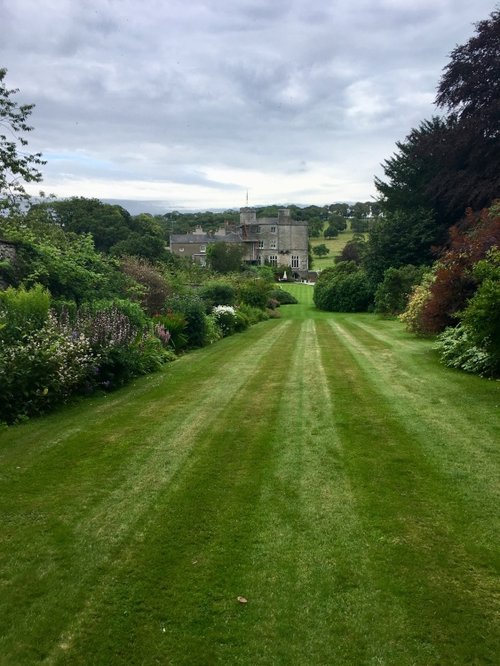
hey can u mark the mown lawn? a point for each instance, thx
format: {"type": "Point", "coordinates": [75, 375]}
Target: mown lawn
{"type": "Point", "coordinates": [324, 467]}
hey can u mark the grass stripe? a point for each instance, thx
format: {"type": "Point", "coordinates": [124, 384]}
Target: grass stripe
{"type": "Point", "coordinates": [419, 531]}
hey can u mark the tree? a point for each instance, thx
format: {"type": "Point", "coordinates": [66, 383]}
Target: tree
{"type": "Point", "coordinates": [449, 164]}
{"type": "Point", "coordinates": [391, 296]}
{"type": "Point", "coordinates": [353, 250]}
{"type": "Point", "coordinates": [398, 239]}
{"type": "Point", "coordinates": [470, 85]}
{"type": "Point", "coordinates": [108, 224]}
{"type": "Point", "coordinates": [225, 257]}
{"type": "Point", "coordinates": [321, 250]}
{"type": "Point", "coordinates": [331, 232]}
{"type": "Point", "coordinates": [16, 166]}
{"type": "Point", "coordinates": [343, 288]}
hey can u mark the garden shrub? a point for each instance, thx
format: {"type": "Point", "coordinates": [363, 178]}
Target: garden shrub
{"type": "Point", "coordinates": [192, 308]}
{"type": "Point", "coordinates": [255, 293]}
{"type": "Point", "coordinates": [457, 349]}
{"type": "Point", "coordinates": [218, 293]}
{"type": "Point", "coordinates": [343, 288]}
{"type": "Point", "coordinates": [212, 330]}
{"type": "Point", "coordinates": [43, 369]}
{"type": "Point", "coordinates": [154, 288]}
{"type": "Point", "coordinates": [23, 311]}
{"type": "Point", "coordinates": [391, 296]}
{"type": "Point", "coordinates": [283, 297]}
{"type": "Point", "coordinates": [175, 324]}
{"type": "Point", "coordinates": [254, 315]}
{"type": "Point", "coordinates": [242, 322]}
{"type": "Point", "coordinates": [455, 282]}
{"type": "Point", "coordinates": [482, 313]}
{"type": "Point", "coordinates": [420, 295]}
{"type": "Point", "coordinates": [121, 363]}
{"type": "Point", "coordinates": [225, 318]}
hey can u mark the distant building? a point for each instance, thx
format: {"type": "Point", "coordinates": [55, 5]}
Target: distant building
{"type": "Point", "coordinates": [276, 241]}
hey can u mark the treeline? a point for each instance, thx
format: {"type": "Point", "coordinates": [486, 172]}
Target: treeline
{"type": "Point", "coordinates": [318, 218]}
{"type": "Point", "coordinates": [433, 256]}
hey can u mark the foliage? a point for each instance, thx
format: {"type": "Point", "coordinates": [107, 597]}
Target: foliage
{"type": "Point", "coordinates": [353, 250]}
{"type": "Point", "coordinates": [457, 349]}
{"type": "Point", "coordinates": [175, 324]}
{"type": "Point", "coordinates": [343, 288]}
{"type": "Point", "coordinates": [154, 287]}
{"type": "Point", "coordinates": [469, 86]}
{"type": "Point", "coordinates": [225, 318]}
{"type": "Point", "coordinates": [218, 293]}
{"type": "Point", "coordinates": [399, 239]}
{"type": "Point", "coordinates": [213, 332]}
{"type": "Point", "coordinates": [419, 297]}
{"type": "Point", "coordinates": [42, 369]}
{"type": "Point", "coordinates": [321, 250]}
{"type": "Point", "coordinates": [482, 313]}
{"type": "Point", "coordinates": [283, 297]}
{"type": "Point", "coordinates": [448, 164]}
{"type": "Point", "coordinates": [16, 165]}
{"type": "Point", "coordinates": [192, 309]}
{"type": "Point", "coordinates": [67, 264]}
{"type": "Point", "coordinates": [455, 281]}
{"type": "Point", "coordinates": [331, 231]}
{"type": "Point", "coordinates": [391, 295]}
{"type": "Point", "coordinates": [359, 226]}
{"type": "Point", "coordinates": [22, 312]}
{"type": "Point", "coordinates": [254, 292]}
{"type": "Point", "coordinates": [253, 315]}
{"type": "Point", "coordinates": [225, 257]}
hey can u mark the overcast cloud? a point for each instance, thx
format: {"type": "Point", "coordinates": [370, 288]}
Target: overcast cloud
{"type": "Point", "coordinates": [191, 103]}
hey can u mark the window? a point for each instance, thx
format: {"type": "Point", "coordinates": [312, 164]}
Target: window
{"type": "Point", "coordinates": [273, 259]}
{"type": "Point", "coordinates": [273, 230]}
{"type": "Point", "coordinates": [203, 249]}
{"type": "Point", "coordinates": [274, 245]}
{"type": "Point", "coordinates": [261, 245]}
{"type": "Point", "coordinates": [295, 261]}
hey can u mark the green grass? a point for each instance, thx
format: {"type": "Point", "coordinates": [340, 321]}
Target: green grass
{"type": "Point", "coordinates": [325, 467]}
{"type": "Point", "coordinates": [335, 245]}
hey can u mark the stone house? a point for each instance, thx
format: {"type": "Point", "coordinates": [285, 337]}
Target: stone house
{"type": "Point", "coordinates": [276, 241]}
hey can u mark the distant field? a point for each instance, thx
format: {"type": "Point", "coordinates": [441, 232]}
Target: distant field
{"type": "Point", "coordinates": [326, 469]}
{"type": "Point", "coordinates": [335, 245]}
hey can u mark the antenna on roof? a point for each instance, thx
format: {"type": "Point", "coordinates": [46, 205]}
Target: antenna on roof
{"type": "Point", "coordinates": [247, 198]}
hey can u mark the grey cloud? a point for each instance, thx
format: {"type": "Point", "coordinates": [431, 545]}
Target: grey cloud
{"type": "Point", "coordinates": [168, 90]}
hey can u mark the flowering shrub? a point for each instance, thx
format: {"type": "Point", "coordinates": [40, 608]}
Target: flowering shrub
{"type": "Point", "coordinates": [123, 350]}
{"type": "Point", "coordinates": [218, 293]}
{"type": "Point", "coordinates": [457, 350]}
{"type": "Point", "coordinates": [175, 324]}
{"type": "Point", "coordinates": [42, 369]}
{"type": "Point", "coordinates": [162, 334]}
{"type": "Point", "coordinates": [225, 318]}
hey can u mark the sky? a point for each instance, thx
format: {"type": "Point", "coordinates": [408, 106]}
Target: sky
{"type": "Point", "coordinates": [187, 104]}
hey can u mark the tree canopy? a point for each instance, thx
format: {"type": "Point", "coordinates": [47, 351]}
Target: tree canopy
{"type": "Point", "coordinates": [16, 165]}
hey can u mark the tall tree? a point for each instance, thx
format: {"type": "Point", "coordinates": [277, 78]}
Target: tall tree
{"type": "Point", "coordinates": [470, 85]}
{"type": "Point", "coordinates": [16, 165]}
